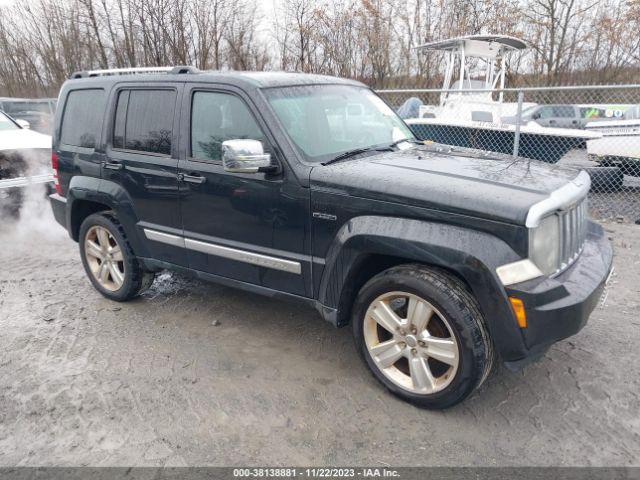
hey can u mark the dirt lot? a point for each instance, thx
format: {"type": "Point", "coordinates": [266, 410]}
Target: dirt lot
{"type": "Point", "coordinates": [196, 374]}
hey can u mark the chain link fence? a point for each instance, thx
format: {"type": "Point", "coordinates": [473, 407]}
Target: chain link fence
{"type": "Point", "coordinates": [595, 128]}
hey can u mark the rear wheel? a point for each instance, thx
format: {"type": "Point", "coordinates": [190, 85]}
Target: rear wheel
{"type": "Point", "coordinates": [109, 260]}
{"type": "Point", "coordinates": [421, 334]}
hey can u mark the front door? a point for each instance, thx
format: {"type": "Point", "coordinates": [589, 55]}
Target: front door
{"type": "Point", "coordinates": [247, 227]}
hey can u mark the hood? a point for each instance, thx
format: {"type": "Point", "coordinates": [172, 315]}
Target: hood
{"type": "Point", "coordinates": [23, 139]}
{"type": "Point", "coordinates": [467, 183]}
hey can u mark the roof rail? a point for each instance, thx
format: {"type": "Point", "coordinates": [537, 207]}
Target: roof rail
{"type": "Point", "coordinates": [182, 69]}
{"type": "Point", "coordinates": [135, 70]}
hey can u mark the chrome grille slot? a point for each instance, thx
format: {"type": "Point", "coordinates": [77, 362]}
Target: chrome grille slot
{"type": "Point", "coordinates": [573, 232]}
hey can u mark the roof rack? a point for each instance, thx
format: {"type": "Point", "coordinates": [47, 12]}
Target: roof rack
{"type": "Point", "coordinates": [184, 69]}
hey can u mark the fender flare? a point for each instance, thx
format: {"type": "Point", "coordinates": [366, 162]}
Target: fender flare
{"type": "Point", "coordinates": [96, 190]}
{"type": "Point", "coordinates": [470, 254]}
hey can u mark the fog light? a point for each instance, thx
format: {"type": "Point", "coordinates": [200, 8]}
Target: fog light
{"type": "Point", "coordinates": [518, 310]}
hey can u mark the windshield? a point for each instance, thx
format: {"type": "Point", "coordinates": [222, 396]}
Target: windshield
{"type": "Point", "coordinates": [19, 107]}
{"type": "Point", "coordinates": [6, 123]}
{"type": "Point", "coordinates": [327, 120]}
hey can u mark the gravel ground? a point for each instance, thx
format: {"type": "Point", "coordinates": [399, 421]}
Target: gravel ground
{"type": "Point", "coordinates": [197, 374]}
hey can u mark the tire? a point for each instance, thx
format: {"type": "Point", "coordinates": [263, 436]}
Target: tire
{"type": "Point", "coordinates": [455, 328]}
{"type": "Point", "coordinates": [606, 179]}
{"type": "Point", "coordinates": [124, 278]}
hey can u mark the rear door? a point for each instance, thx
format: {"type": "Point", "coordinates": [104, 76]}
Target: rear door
{"type": "Point", "coordinates": [141, 157]}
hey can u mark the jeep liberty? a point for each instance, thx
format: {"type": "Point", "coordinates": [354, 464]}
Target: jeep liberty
{"type": "Point", "coordinates": [311, 188]}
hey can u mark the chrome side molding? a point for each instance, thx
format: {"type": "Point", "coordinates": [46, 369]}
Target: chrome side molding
{"type": "Point", "coordinates": [236, 254]}
{"type": "Point", "coordinates": [162, 237]}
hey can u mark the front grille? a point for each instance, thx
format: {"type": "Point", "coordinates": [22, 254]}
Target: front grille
{"type": "Point", "coordinates": [573, 232]}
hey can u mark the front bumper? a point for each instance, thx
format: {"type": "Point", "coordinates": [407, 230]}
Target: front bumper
{"type": "Point", "coordinates": [559, 307]}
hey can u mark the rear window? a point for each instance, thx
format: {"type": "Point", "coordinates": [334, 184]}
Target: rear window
{"type": "Point", "coordinates": [82, 120]}
{"type": "Point", "coordinates": [144, 121]}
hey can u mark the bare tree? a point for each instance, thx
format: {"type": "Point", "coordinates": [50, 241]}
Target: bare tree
{"type": "Point", "coordinates": [43, 41]}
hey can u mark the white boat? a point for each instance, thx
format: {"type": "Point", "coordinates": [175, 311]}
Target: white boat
{"type": "Point", "coordinates": [468, 114]}
{"type": "Point", "coordinates": [620, 142]}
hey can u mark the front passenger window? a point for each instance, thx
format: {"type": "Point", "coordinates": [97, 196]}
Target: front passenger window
{"type": "Point", "coordinates": [216, 117]}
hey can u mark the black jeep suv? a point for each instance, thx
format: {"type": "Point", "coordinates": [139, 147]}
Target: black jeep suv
{"type": "Point", "coordinates": [310, 188]}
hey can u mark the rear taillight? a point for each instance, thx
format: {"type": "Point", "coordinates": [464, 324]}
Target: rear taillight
{"type": "Point", "coordinates": [56, 175]}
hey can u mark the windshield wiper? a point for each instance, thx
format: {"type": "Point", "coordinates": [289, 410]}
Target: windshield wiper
{"type": "Point", "coordinates": [358, 151]}
{"type": "Point", "coordinates": [355, 151]}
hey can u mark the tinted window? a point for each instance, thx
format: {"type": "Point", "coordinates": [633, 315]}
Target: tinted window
{"type": "Point", "coordinates": [216, 117]}
{"type": "Point", "coordinates": [82, 119]}
{"type": "Point", "coordinates": [146, 119]}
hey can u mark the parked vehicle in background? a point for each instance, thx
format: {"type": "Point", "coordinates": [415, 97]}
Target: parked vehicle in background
{"type": "Point", "coordinates": [24, 161]}
{"type": "Point", "coordinates": [37, 111]}
{"type": "Point", "coordinates": [565, 116]}
{"type": "Point", "coordinates": [310, 188]}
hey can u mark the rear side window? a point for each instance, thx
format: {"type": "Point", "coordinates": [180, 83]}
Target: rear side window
{"type": "Point", "coordinates": [144, 121]}
{"type": "Point", "coordinates": [82, 120]}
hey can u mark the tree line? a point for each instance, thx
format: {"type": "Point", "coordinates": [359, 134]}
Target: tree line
{"type": "Point", "coordinates": [572, 41]}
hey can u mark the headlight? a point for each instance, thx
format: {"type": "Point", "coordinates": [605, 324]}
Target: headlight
{"type": "Point", "coordinates": [544, 244]}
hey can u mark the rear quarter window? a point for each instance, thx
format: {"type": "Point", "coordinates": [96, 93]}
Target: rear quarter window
{"type": "Point", "coordinates": [82, 117]}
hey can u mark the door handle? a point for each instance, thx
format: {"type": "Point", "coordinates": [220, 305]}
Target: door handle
{"type": "Point", "coordinates": [111, 165]}
{"type": "Point", "coordinates": [192, 178]}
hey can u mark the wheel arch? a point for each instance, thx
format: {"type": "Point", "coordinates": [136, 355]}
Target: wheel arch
{"type": "Point", "coordinates": [88, 195]}
{"type": "Point", "coordinates": [366, 246]}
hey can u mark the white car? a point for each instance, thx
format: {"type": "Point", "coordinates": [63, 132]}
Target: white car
{"type": "Point", "coordinates": [25, 158]}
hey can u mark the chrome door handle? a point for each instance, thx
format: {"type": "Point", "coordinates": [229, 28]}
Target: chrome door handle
{"type": "Point", "coordinates": [192, 178]}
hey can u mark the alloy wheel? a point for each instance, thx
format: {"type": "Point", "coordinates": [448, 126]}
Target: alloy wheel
{"type": "Point", "coordinates": [104, 257]}
{"type": "Point", "coordinates": [411, 342]}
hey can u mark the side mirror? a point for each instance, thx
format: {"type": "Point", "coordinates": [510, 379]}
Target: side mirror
{"type": "Point", "coordinates": [244, 156]}
{"type": "Point", "coordinates": [536, 116]}
{"type": "Point", "coordinates": [23, 123]}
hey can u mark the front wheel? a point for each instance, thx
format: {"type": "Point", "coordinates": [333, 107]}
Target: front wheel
{"type": "Point", "coordinates": [109, 260]}
{"type": "Point", "coordinates": [422, 335]}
